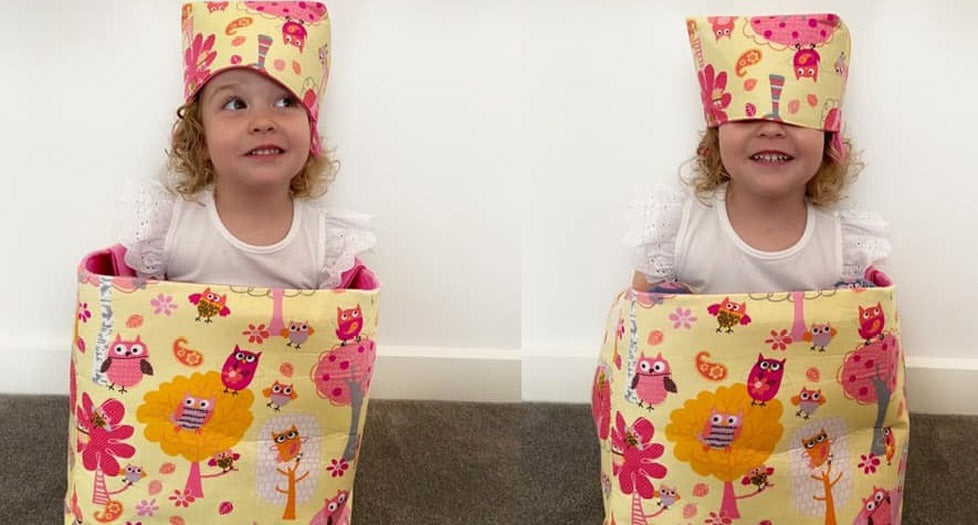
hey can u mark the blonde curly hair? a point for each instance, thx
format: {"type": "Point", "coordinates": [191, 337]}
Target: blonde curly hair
{"type": "Point", "coordinates": [192, 171]}
{"type": "Point", "coordinates": [824, 189]}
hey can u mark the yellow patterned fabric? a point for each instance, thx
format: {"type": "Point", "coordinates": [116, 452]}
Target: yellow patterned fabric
{"type": "Point", "coordinates": [287, 41]}
{"type": "Point", "coordinates": [790, 68]}
{"type": "Point", "coordinates": [760, 408]}
{"type": "Point", "coordinates": [195, 403]}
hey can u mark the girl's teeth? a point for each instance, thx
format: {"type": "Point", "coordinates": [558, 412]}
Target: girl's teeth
{"type": "Point", "coordinates": [770, 157]}
{"type": "Point", "coordinates": [265, 151]}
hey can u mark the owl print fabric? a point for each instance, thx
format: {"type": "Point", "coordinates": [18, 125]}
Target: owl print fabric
{"type": "Point", "coordinates": [195, 403]}
{"type": "Point", "coordinates": [761, 408]}
{"type": "Point", "coordinates": [790, 68]}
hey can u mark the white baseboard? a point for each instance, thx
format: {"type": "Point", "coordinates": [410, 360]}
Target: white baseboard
{"type": "Point", "coordinates": [935, 385]}
{"type": "Point", "coordinates": [401, 372]}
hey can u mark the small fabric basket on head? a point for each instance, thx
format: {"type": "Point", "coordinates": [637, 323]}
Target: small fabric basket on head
{"type": "Point", "coordinates": [287, 41]}
{"type": "Point", "coordinates": [786, 68]}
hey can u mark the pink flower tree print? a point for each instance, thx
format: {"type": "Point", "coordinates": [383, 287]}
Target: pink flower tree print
{"type": "Point", "coordinates": [634, 463]}
{"type": "Point", "coordinates": [601, 400]}
{"type": "Point", "coordinates": [197, 58]}
{"type": "Point", "coordinates": [342, 375]}
{"type": "Point", "coordinates": [868, 375]}
{"type": "Point", "coordinates": [712, 92]}
{"type": "Point", "coordinates": [102, 440]}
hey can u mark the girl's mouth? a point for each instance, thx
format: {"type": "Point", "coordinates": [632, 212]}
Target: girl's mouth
{"type": "Point", "coordinates": [771, 157]}
{"type": "Point", "coordinates": [265, 151]}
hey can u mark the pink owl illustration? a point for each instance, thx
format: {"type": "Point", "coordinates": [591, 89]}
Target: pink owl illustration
{"type": "Point", "coordinates": [820, 335]}
{"type": "Point", "coordinates": [801, 32]}
{"type": "Point", "coordinates": [723, 26]}
{"type": "Point", "coordinates": [877, 509]}
{"type": "Point", "coordinates": [764, 380]}
{"type": "Point", "coordinates": [871, 322]}
{"type": "Point", "coordinates": [192, 413]}
{"type": "Point", "coordinates": [296, 15]}
{"type": "Point", "coordinates": [209, 304]}
{"type": "Point", "coordinates": [334, 511]}
{"type": "Point", "coordinates": [239, 370]}
{"type": "Point", "coordinates": [653, 380]}
{"type": "Point", "coordinates": [225, 460]}
{"type": "Point", "coordinates": [297, 333]}
{"type": "Point", "coordinates": [126, 363]}
{"type": "Point", "coordinates": [349, 323]}
{"type": "Point", "coordinates": [729, 314]}
{"type": "Point", "coordinates": [720, 430]}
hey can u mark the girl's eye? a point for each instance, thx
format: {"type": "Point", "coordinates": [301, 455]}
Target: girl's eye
{"type": "Point", "coordinates": [286, 102]}
{"type": "Point", "coordinates": [234, 103]}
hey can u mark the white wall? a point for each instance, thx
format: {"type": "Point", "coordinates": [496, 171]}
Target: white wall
{"type": "Point", "coordinates": [496, 144]}
{"type": "Point", "coordinates": [613, 102]}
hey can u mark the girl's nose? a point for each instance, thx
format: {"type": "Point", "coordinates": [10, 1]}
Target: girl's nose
{"type": "Point", "coordinates": [262, 122]}
{"type": "Point", "coordinates": [770, 128]}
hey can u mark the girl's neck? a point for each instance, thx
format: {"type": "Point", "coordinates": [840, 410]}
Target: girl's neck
{"type": "Point", "coordinates": [254, 217]}
{"type": "Point", "coordinates": [767, 224]}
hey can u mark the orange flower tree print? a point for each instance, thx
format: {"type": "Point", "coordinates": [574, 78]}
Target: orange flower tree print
{"type": "Point", "coordinates": [222, 428]}
{"type": "Point", "coordinates": [758, 430]}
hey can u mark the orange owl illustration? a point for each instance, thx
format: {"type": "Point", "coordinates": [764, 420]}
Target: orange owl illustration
{"type": "Point", "coordinates": [297, 333]}
{"type": "Point", "coordinates": [818, 448]}
{"type": "Point", "coordinates": [349, 323]}
{"type": "Point", "coordinates": [820, 335]}
{"type": "Point", "coordinates": [808, 402]}
{"type": "Point", "coordinates": [209, 304]}
{"type": "Point", "coordinates": [871, 322]}
{"type": "Point", "coordinates": [288, 444]}
{"type": "Point", "coordinates": [729, 314]}
{"type": "Point", "coordinates": [279, 395]}
{"type": "Point", "coordinates": [889, 444]}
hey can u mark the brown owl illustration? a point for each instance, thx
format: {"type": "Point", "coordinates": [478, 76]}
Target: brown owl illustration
{"type": "Point", "coordinates": [209, 304]}
{"type": "Point", "coordinates": [729, 314]}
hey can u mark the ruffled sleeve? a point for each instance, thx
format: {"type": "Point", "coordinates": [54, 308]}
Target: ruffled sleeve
{"type": "Point", "coordinates": [343, 235]}
{"type": "Point", "coordinates": [145, 209]}
{"type": "Point", "coordinates": [654, 217]}
{"type": "Point", "coordinates": [865, 242]}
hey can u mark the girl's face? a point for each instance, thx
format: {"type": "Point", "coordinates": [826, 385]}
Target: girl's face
{"type": "Point", "coordinates": [257, 133]}
{"type": "Point", "coordinates": [770, 160]}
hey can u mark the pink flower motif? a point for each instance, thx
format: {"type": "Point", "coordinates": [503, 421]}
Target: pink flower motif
{"type": "Point", "coordinates": [718, 520]}
{"type": "Point", "coordinates": [181, 499]}
{"type": "Point", "coordinates": [869, 463]}
{"type": "Point", "coordinates": [338, 467]}
{"type": "Point", "coordinates": [634, 444]}
{"type": "Point", "coordinates": [715, 101]}
{"type": "Point", "coordinates": [163, 304]}
{"type": "Point", "coordinates": [682, 317]}
{"type": "Point", "coordinates": [81, 344]}
{"type": "Point", "coordinates": [779, 340]}
{"type": "Point", "coordinates": [146, 508]}
{"type": "Point", "coordinates": [83, 314]}
{"type": "Point", "coordinates": [256, 334]}
{"type": "Point", "coordinates": [105, 435]}
{"type": "Point", "coordinates": [196, 59]}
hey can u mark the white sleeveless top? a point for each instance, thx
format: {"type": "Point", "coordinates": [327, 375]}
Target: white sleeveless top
{"type": "Point", "coordinates": [169, 237]}
{"type": "Point", "coordinates": [676, 237]}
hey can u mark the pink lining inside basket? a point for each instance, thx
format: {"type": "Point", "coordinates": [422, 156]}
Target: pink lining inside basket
{"type": "Point", "coordinates": [111, 261]}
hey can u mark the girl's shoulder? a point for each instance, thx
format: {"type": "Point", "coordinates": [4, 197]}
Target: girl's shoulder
{"type": "Point", "coordinates": [342, 235]}
{"type": "Point", "coordinates": [145, 212]}
{"type": "Point", "coordinates": [865, 241]}
{"type": "Point", "coordinates": [653, 220]}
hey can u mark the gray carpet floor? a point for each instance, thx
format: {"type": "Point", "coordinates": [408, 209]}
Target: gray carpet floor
{"type": "Point", "coordinates": [473, 463]}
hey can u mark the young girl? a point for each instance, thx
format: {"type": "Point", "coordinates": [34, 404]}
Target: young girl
{"type": "Point", "coordinates": [246, 158]}
{"type": "Point", "coordinates": [767, 170]}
